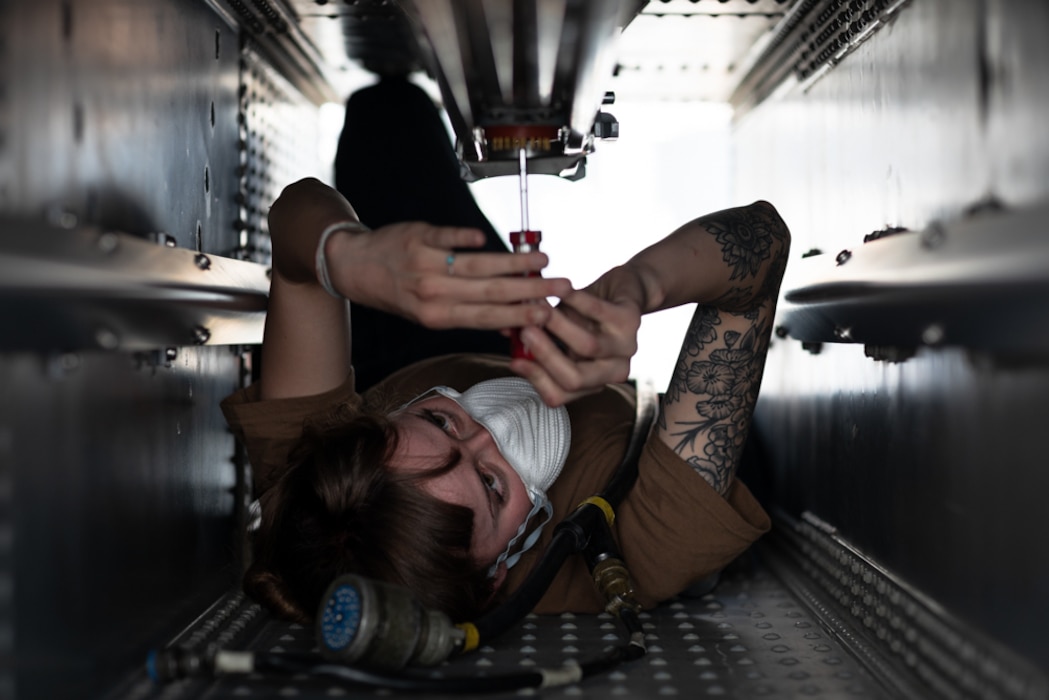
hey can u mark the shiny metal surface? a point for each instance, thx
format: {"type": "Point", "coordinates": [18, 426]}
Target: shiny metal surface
{"type": "Point", "coordinates": [672, 50]}
{"type": "Point", "coordinates": [115, 112]}
{"type": "Point", "coordinates": [811, 39]}
{"type": "Point", "coordinates": [904, 638]}
{"type": "Point", "coordinates": [120, 487]}
{"type": "Point", "coordinates": [1016, 98]}
{"type": "Point", "coordinates": [297, 43]}
{"type": "Point", "coordinates": [981, 282]}
{"type": "Point", "coordinates": [122, 508]}
{"type": "Point", "coordinates": [933, 467]}
{"type": "Point", "coordinates": [118, 495]}
{"type": "Point", "coordinates": [64, 290]}
{"type": "Point", "coordinates": [278, 144]}
{"type": "Point", "coordinates": [514, 63]}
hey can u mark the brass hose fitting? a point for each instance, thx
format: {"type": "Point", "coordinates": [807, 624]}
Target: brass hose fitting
{"type": "Point", "coordinates": [613, 580]}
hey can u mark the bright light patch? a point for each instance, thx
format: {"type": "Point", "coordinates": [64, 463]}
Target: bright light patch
{"type": "Point", "coordinates": [670, 165]}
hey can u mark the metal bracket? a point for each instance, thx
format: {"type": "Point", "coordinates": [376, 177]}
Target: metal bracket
{"type": "Point", "coordinates": [86, 288]}
{"type": "Point", "coordinates": [981, 282]}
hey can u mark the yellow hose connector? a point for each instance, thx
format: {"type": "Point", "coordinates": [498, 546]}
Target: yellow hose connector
{"type": "Point", "coordinates": [605, 506]}
{"type": "Point", "coordinates": [473, 637]}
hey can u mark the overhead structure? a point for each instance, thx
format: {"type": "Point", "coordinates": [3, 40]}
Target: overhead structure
{"type": "Point", "coordinates": [529, 75]}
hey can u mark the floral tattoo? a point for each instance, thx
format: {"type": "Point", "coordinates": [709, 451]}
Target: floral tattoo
{"type": "Point", "coordinates": [745, 242]}
{"type": "Point", "coordinates": [722, 358]}
{"type": "Point", "coordinates": [724, 387]}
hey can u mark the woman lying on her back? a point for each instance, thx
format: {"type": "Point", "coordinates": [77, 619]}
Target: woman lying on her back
{"type": "Point", "coordinates": [440, 477]}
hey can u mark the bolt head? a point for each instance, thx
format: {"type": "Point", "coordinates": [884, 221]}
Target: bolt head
{"type": "Point", "coordinates": [934, 236]}
{"type": "Point", "coordinates": [108, 242]}
{"type": "Point", "coordinates": [933, 334]}
{"type": "Point", "coordinates": [106, 339]}
{"type": "Point", "coordinates": [63, 218]}
{"type": "Point", "coordinates": [813, 348]}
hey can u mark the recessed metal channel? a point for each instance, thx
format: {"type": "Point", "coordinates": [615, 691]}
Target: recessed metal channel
{"type": "Point", "coordinates": [508, 63]}
{"type": "Point", "coordinates": [904, 638]}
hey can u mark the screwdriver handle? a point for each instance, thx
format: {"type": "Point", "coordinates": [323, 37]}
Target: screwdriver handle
{"type": "Point", "coordinates": [523, 242]}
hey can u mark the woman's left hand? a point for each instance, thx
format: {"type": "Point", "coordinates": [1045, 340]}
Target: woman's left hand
{"type": "Point", "coordinates": [595, 340]}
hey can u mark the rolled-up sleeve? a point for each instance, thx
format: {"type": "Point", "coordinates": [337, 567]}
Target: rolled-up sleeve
{"type": "Point", "coordinates": [674, 528]}
{"type": "Point", "coordinates": [270, 428]}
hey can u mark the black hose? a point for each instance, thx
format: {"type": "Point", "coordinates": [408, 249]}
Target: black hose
{"type": "Point", "coordinates": [525, 598]}
{"type": "Point", "coordinates": [624, 477]}
{"type": "Point", "coordinates": [313, 665]}
{"type": "Point", "coordinates": [616, 657]}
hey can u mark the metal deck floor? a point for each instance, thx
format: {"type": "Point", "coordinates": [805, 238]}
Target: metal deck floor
{"type": "Point", "coordinates": [749, 638]}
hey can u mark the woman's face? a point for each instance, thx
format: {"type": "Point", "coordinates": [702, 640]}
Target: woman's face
{"type": "Point", "coordinates": [482, 480]}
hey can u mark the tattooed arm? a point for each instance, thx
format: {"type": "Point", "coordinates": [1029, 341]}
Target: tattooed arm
{"type": "Point", "coordinates": [730, 263]}
{"type": "Point", "coordinates": [737, 258]}
{"type": "Point", "coordinates": [732, 259]}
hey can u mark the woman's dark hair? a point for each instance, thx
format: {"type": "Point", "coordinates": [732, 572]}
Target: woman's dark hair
{"type": "Point", "coordinates": [339, 509]}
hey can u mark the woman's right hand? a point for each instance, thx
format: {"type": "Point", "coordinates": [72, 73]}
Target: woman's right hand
{"type": "Point", "coordinates": [404, 268]}
{"type": "Point", "coordinates": [411, 269]}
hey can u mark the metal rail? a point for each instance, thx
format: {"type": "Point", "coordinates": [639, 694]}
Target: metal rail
{"type": "Point", "coordinates": [981, 283]}
{"type": "Point", "coordinates": [73, 289]}
{"type": "Point", "coordinates": [910, 643]}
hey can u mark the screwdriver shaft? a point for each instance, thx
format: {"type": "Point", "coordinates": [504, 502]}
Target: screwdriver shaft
{"type": "Point", "coordinates": [524, 189]}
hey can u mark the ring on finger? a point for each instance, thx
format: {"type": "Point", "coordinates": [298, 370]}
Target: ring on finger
{"type": "Point", "coordinates": [450, 262]}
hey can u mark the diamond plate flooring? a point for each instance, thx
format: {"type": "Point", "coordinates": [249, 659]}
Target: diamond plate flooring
{"type": "Point", "coordinates": [749, 638]}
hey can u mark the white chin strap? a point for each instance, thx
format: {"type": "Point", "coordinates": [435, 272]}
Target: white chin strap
{"type": "Point", "coordinates": [542, 503]}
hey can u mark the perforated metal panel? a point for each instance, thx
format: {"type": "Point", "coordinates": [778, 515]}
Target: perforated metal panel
{"type": "Point", "coordinates": [278, 145]}
{"type": "Point", "coordinates": [748, 638]}
{"type": "Point", "coordinates": [906, 639]}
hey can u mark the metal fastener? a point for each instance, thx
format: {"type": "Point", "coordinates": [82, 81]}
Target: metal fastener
{"type": "Point", "coordinates": [933, 334]}
{"type": "Point", "coordinates": [58, 366]}
{"type": "Point", "coordinates": [108, 242]}
{"type": "Point", "coordinates": [202, 261]}
{"type": "Point", "coordinates": [62, 217]}
{"type": "Point", "coordinates": [884, 233]}
{"type": "Point", "coordinates": [888, 353]}
{"type": "Point", "coordinates": [933, 236]}
{"type": "Point", "coordinates": [106, 339]}
{"type": "Point", "coordinates": [163, 239]}
{"type": "Point", "coordinates": [201, 335]}
{"type": "Point", "coordinates": [843, 257]}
